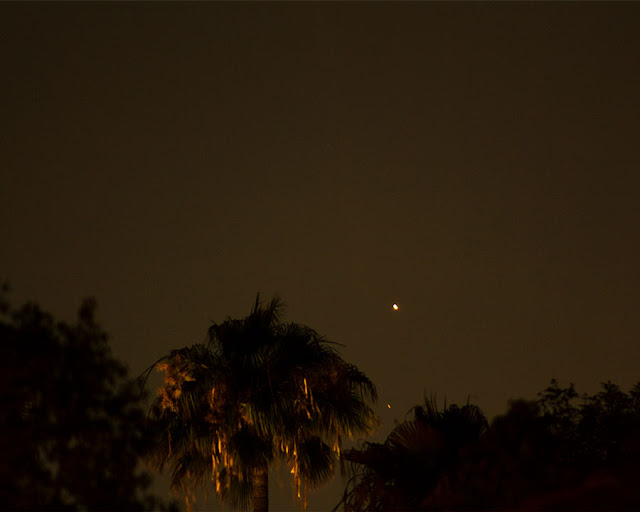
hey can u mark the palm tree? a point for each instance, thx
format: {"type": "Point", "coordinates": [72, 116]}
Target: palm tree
{"type": "Point", "coordinates": [260, 391]}
{"type": "Point", "coordinates": [416, 466]}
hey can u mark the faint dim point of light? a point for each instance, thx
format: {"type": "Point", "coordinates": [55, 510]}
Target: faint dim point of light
{"type": "Point", "coordinates": [389, 406]}
{"type": "Point", "coordinates": [395, 307]}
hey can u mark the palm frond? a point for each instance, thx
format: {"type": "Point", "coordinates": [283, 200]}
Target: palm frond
{"type": "Point", "coordinates": [316, 461]}
{"type": "Point", "coordinates": [234, 489]}
{"type": "Point", "coordinates": [415, 437]}
{"type": "Point", "coordinates": [362, 383]}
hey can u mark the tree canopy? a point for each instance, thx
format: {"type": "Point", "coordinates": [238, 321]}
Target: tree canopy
{"type": "Point", "coordinates": [72, 422]}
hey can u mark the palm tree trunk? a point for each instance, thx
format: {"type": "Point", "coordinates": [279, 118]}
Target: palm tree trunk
{"type": "Point", "coordinates": [261, 490]}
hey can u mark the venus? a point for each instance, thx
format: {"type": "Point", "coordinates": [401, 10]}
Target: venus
{"type": "Point", "coordinates": [395, 307]}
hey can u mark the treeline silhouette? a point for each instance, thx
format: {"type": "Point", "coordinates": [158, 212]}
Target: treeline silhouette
{"type": "Point", "coordinates": [75, 429]}
{"type": "Point", "coordinates": [561, 452]}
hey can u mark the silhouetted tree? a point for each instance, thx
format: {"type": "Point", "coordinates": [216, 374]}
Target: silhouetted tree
{"type": "Point", "coordinates": [260, 391]}
{"type": "Point", "coordinates": [516, 458]}
{"type": "Point", "coordinates": [542, 452]}
{"type": "Point", "coordinates": [561, 452]}
{"type": "Point", "coordinates": [72, 422]}
{"type": "Point", "coordinates": [416, 466]}
{"type": "Point", "coordinates": [596, 431]}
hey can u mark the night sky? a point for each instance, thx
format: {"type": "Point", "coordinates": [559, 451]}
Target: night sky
{"type": "Point", "coordinates": [478, 164]}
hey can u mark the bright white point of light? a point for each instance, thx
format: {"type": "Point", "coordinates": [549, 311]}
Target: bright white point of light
{"type": "Point", "coordinates": [395, 307]}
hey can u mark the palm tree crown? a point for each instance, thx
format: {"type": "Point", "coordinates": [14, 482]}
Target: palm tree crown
{"type": "Point", "coordinates": [259, 391]}
{"type": "Point", "coordinates": [415, 464]}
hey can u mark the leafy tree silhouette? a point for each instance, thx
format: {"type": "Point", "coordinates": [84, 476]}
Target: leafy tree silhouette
{"type": "Point", "coordinates": [72, 422]}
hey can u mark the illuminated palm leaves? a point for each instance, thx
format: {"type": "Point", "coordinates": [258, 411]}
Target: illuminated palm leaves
{"type": "Point", "coordinates": [259, 391]}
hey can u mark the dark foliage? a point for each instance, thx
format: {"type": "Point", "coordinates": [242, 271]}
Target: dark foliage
{"type": "Point", "coordinates": [73, 423]}
{"type": "Point", "coordinates": [595, 431]}
{"type": "Point", "coordinates": [561, 452]}
{"type": "Point", "coordinates": [418, 462]}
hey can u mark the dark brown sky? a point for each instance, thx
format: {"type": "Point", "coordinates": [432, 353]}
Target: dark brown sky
{"type": "Point", "coordinates": [476, 163]}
